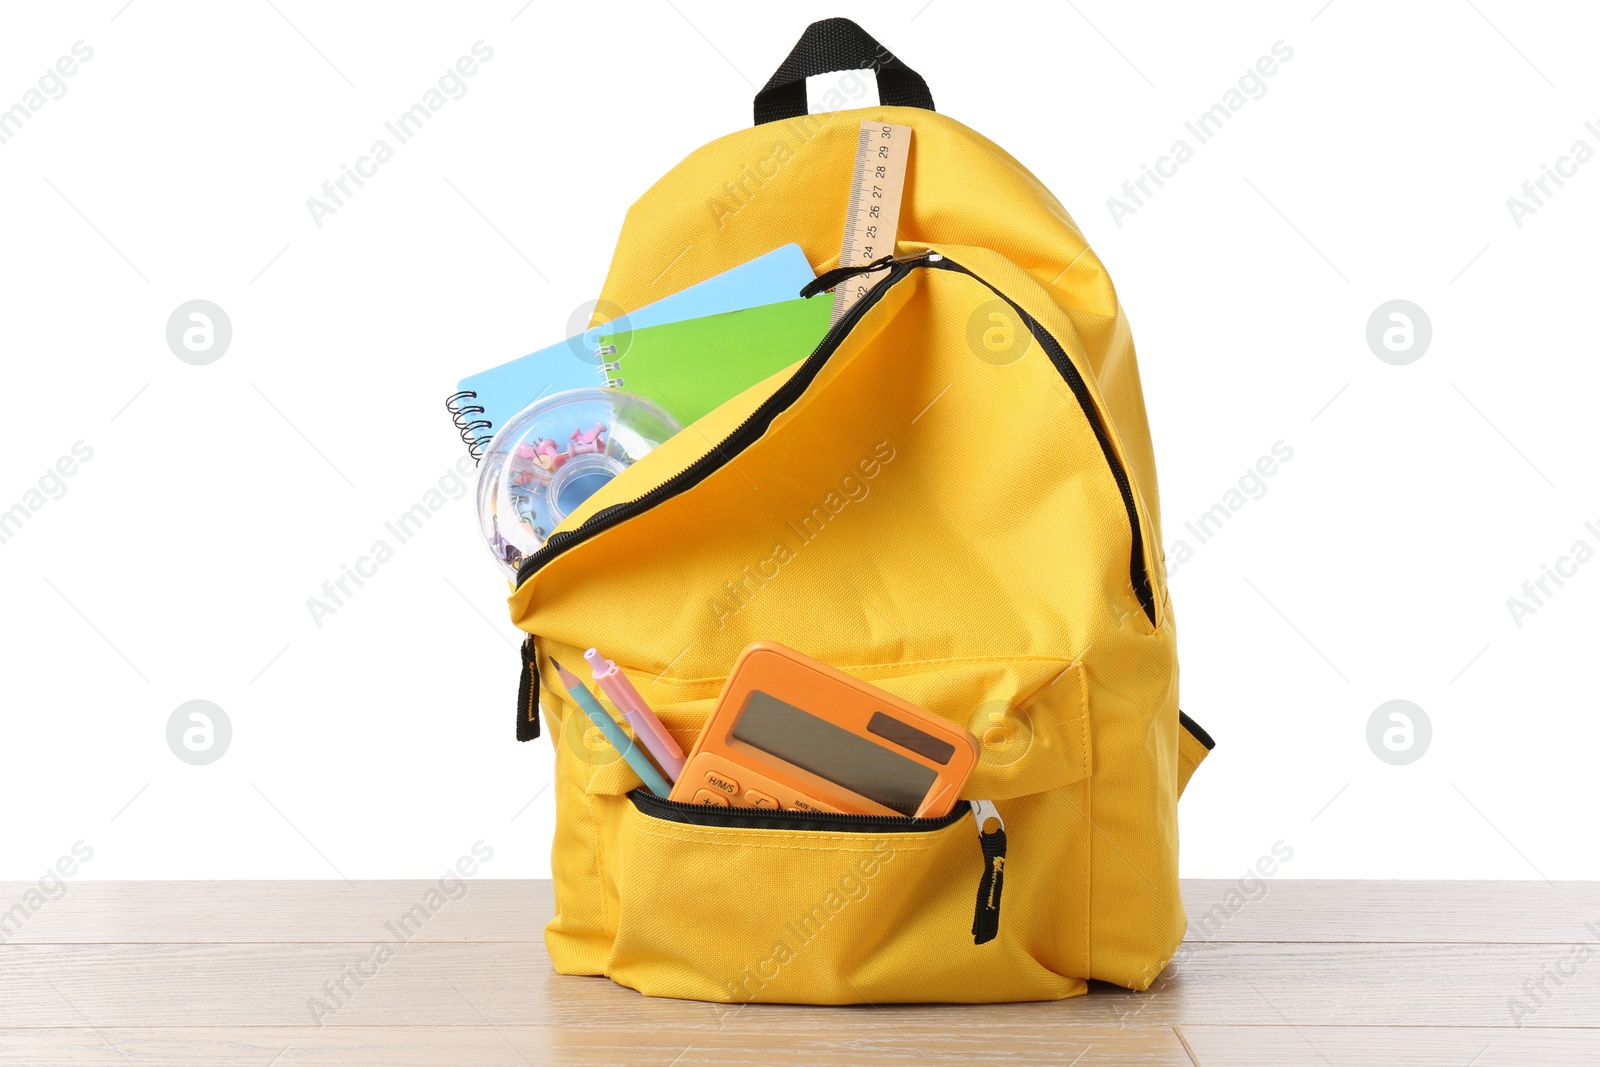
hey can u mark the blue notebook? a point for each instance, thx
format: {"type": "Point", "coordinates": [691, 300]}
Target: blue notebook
{"type": "Point", "coordinates": [487, 400]}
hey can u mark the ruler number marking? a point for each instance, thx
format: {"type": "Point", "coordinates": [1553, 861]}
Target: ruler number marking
{"type": "Point", "coordinates": [872, 213]}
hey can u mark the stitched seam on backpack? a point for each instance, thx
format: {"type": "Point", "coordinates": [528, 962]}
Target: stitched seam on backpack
{"type": "Point", "coordinates": [662, 679]}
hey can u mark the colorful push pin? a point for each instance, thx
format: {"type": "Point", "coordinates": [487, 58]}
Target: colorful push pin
{"type": "Point", "coordinates": [548, 455]}
{"type": "Point", "coordinates": [588, 440]}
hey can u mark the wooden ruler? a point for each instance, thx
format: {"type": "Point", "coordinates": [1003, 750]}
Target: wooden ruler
{"type": "Point", "coordinates": [873, 218]}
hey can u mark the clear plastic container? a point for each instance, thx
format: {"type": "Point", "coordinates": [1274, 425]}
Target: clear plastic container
{"type": "Point", "coordinates": [555, 454]}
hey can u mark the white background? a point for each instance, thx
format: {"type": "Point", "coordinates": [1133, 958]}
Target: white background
{"type": "Point", "coordinates": [178, 563]}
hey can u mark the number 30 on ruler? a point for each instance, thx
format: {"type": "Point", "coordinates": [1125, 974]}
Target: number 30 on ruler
{"type": "Point", "coordinates": [873, 218]}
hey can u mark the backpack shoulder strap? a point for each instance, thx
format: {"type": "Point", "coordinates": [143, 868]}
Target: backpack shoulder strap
{"type": "Point", "coordinates": [1194, 745]}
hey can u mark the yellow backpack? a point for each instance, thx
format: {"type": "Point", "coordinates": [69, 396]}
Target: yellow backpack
{"type": "Point", "coordinates": [954, 499]}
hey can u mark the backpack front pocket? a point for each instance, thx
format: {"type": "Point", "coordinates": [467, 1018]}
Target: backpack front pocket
{"type": "Point", "coordinates": [625, 858]}
{"type": "Point", "coordinates": [744, 905]}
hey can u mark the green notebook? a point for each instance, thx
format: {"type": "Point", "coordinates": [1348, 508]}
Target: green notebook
{"type": "Point", "coordinates": [693, 366]}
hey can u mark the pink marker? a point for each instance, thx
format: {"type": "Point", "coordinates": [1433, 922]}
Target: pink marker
{"type": "Point", "coordinates": [649, 729]}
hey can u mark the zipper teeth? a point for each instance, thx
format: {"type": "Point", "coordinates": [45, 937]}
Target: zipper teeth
{"type": "Point", "coordinates": [844, 820]}
{"type": "Point", "coordinates": [762, 416]}
{"type": "Point", "coordinates": [1139, 574]}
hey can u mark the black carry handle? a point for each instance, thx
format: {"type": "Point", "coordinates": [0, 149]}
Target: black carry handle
{"type": "Point", "coordinates": [833, 45]}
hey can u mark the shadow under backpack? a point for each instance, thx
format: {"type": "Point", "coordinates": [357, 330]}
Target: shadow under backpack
{"type": "Point", "coordinates": [992, 553]}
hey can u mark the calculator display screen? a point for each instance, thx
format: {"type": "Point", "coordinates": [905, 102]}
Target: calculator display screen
{"type": "Point", "coordinates": [830, 751]}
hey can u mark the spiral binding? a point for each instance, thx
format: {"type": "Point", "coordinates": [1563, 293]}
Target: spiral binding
{"type": "Point", "coordinates": [461, 414]}
{"type": "Point", "coordinates": [610, 366]}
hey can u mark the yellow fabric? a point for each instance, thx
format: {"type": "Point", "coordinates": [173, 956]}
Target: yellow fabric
{"type": "Point", "coordinates": [935, 521]}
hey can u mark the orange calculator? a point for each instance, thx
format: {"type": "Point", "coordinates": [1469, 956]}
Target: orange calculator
{"type": "Point", "coordinates": [790, 732]}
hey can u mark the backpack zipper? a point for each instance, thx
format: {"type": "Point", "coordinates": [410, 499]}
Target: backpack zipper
{"type": "Point", "coordinates": [789, 818]}
{"type": "Point", "coordinates": [747, 432]}
{"type": "Point", "coordinates": [985, 914]}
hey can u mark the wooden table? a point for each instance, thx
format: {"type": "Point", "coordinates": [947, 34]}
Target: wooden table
{"type": "Point", "coordinates": [1318, 973]}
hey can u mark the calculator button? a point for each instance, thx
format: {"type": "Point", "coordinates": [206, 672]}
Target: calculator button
{"type": "Point", "coordinates": [722, 782]}
{"type": "Point", "coordinates": [757, 799]}
{"type": "Point", "coordinates": [706, 796]}
{"type": "Point", "coordinates": [806, 805]}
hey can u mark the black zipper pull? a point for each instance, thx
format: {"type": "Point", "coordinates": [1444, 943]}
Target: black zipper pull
{"type": "Point", "coordinates": [828, 279]}
{"type": "Point", "coordinates": [528, 692]}
{"type": "Point", "coordinates": [986, 917]}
